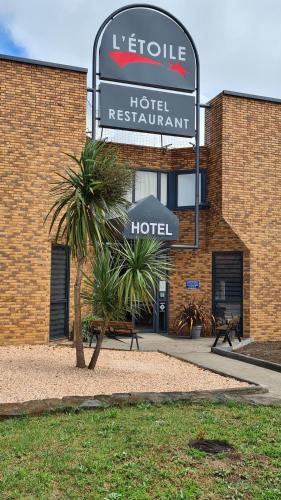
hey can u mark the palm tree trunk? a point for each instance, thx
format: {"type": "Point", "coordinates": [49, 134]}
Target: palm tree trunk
{"type": "Point", "coordinates": [78, 339]}
{"type": "Point", "coordinates": [96, 352]}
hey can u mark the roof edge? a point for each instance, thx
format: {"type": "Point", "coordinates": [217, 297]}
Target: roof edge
{"type": "Point", "coordinates": [47, 64]}
{"type": "Point", "coordinates": [251, 96]}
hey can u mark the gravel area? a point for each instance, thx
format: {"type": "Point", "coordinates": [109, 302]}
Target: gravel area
{"type": "Point", "coordinates": [38, 372]}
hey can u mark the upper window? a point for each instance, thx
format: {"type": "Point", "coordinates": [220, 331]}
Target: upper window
{"type": "Point", "coordinates": [163, 188]}
{"type": "Point", "coordinates": [145, 184]}
{"type": "Point", "coordinates": [186, 189]}
{"type": "Point", "coordinates": [148, 183]}
{"type": "Point", "coordinates": [174, 189]}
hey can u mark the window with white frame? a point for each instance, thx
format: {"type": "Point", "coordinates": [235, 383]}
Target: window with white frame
{"type": "Point", "coordinates": [145, 184]}
{"type": "Point", "coordinates": [176, 189]}
{"type": "Point", "coordinates": [163, 188]}
{"type": "Point", "coordinates": [186, 189]}
{"type": "Point", "coordinates": [148, 183]}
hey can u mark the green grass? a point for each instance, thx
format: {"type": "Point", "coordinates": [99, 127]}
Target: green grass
{"type": "Point", "coordinates": [142, 452]}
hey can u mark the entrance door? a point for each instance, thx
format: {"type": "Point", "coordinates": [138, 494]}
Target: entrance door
{"type": "Point", "coordinates": [228, 285]}
{"type": "Point", "coordinates": [144, 322]}
{"type": "Point", "coordinates": [155, 320]}
{"type": "Point", "coordinates": [59, 307]}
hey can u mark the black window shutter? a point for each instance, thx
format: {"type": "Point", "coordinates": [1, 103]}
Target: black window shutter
{"type": "Point", "coordinates": [59, 307]}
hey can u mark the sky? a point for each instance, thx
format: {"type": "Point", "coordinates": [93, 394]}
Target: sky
{"type": "Point", "coordinates": [239, 41]}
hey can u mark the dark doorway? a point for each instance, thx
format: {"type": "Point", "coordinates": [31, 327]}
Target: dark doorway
{"type": "Point", "coordinates": [144, 322]}
{"type": "Point", "coordinates": [228, 285]}
{"type": "Point", "coordinates": [155, 320]}
{"type": "Point", "coordinates": [59, 307]}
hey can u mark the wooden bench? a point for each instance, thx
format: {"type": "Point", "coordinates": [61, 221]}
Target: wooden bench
{"type": "Point", "coordinates": [114, 329]}
{"type": "Point", "coordinates": [223, 328]}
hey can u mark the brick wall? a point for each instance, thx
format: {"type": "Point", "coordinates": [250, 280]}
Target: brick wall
{"type": "Point", "coordinates": [249, 155]}
{"type": "Point", "coordinates": [42, 115]}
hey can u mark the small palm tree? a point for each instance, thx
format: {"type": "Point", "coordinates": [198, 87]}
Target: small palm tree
{"type": "Point", "coordinates": [87, 198]}
{"type": "Point", "coordinates": [124, 280]}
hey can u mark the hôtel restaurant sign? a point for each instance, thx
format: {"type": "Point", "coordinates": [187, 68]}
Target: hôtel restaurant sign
{"type": "Point", "coordinates": [147, 48]}
{"type": "Point", "coordinates": [146, 110]}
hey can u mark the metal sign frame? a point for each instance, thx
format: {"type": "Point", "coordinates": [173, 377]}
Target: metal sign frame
{"type": "Point", "coordinates": [95, 90]}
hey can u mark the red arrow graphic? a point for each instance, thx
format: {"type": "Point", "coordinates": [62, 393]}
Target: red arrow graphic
{"type": "Point", "coordinates": [178, 68]}
{"type": "Point", "coordinates": [124, 58]}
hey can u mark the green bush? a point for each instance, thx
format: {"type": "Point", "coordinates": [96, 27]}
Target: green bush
{"type": "Point", "coordinates": [86, 321]}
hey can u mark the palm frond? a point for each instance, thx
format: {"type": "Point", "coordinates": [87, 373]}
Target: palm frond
{"type": "Point", "coordinates": [143, 264]}
{"type": "Point", "coordinates": [101, 288]}
{"type": "Point", "coordinates": [89, 197]}
{"type": "Point", "coordinates": [125, 277]}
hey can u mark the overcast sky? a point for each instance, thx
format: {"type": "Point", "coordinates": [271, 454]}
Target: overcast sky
{"type": "Point", "coordinates": [239, 41]}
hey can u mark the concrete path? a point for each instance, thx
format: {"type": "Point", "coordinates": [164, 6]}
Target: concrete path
{"type": "Point", "coordinates": [198, 352]}
{"type": "Point", "coordinates": [202, 356]}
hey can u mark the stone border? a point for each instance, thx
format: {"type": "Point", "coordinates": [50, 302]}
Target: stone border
{"type": "Point", "coordinates": [247, 359]}
{"type": "Point", "coordinates": [77, 403]}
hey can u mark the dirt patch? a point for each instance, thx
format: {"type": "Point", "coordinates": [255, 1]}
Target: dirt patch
{"type": "Point", "coordinates": [39, 372]}
{"type": "Point", "coordinates": [268, 351]}
{"type": "Point", "coordinates": [212, 446]}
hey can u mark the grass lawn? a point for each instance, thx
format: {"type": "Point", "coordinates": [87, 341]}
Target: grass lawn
{"type": "Point", "coordinates": [142, 452]}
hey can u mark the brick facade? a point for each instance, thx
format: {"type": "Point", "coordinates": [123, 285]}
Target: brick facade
{"type": "Point", "coordinates": [247, 161]}
{"type": "Point", "coordinates": [43, 114]}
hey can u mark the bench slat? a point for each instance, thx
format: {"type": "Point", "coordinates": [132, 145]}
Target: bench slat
{"type": "Point", "coordinates": [118, 326]}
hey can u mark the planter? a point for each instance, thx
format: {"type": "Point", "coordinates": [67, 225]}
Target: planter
{"type": "Point", "coordinates": [222, 351]}
{"type": "Point", "coordinates": [196, 331]}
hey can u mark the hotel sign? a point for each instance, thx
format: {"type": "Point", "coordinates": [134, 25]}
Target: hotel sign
{"type": "Point", "coordinates": [144, 228]}
{"type": "Point", "coordinates": [146, 110]}
{"type": "Point", "coordinates": [146, 47]}
{"type": "Point", "coordinates": [137, 48]}
{"type": "Point", "coordinates": [149, 217]}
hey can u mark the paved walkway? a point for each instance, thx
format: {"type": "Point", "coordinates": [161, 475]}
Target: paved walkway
{"type": "Point", "coordinates": [198, 352]}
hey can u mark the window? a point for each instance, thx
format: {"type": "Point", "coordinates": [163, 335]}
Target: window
{"type": "Point", "coordinates": [163, 188]}
{"type": "Point", "coordinates": [174, 189]}
{"type": "Point", "coordinates": [186, 189]}
{"type": "Point", "coordinates": [145, 184]}
{"type": "Point", "coordinates": [148, 183]}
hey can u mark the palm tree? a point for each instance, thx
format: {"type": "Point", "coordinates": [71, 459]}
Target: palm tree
{"type": "Point", "coordinates": [87, 198]}
{"type": "Point", "coordinates": [124, 280]}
